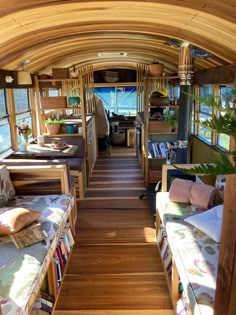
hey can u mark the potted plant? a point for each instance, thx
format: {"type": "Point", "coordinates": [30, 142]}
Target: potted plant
{"type": "Point", "coordinates": [158, 98]}
{"type": "Point", "coordinates": [156, 69]}
{"type": "Point", "coordinates": [75, 73]}
{"type": "Point", "coordinates": [171, 118]}
{"type": "Point", "coordinates": [53, 125]}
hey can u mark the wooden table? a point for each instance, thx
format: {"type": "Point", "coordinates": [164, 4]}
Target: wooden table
{"type": "Point", "coordinates": [34, 151]}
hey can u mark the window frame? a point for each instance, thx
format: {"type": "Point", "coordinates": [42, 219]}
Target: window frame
{"type": "Point", "coordinates": [5, 120]}
{"type": "Point", "coordinates": [196, 126]}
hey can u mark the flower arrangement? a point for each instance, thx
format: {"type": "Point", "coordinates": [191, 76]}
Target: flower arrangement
{"type": "Point", "coordinates": [24, 129]}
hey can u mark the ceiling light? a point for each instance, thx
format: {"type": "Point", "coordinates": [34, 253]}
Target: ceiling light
{"type": "Point", "coordinates": [24, 77]}
{"type": "Point", "coordinates": [112, 54]}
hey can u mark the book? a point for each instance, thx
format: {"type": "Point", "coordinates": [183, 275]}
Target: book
{"type": "Point", "coordinates": [69, 235]}
{"type": "Point", "coordinates": [30, 235]}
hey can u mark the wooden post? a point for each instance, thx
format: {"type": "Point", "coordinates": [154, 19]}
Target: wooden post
{"type": "Point", "coordinates": [225, 299]}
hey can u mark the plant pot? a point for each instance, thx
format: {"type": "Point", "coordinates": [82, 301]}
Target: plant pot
{"type": "Point", "coordinates": [158, 101]}
{"type": "Point", "coordinates": [74, 74]}
{"type": "Point", "coordinates": [53, 129]}
{"type": "Point", "coordinates": [156, 69]}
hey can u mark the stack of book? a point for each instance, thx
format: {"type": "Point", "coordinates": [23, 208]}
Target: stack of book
{"type": "Point", "coordinates": [44, 304]}
{"type": "Point", "coordinates": [30, 235]}
{"type": "Point", "coordinates": [160, 149]}
{"type": "Point", "coordinates": [165, 250]}
{"type": "Point", "coordinates": [62, 254]}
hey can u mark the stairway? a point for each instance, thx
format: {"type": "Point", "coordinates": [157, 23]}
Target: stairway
{"type": "Point", "coordinates": [115, 268]}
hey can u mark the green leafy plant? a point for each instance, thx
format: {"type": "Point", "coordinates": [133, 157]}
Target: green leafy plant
{"type": "Point", "coordinates": [171, 118]}
{"type": "Point", "coordinates": [224, 123]}
{"type": "Point", "coordinates": [54, 121]}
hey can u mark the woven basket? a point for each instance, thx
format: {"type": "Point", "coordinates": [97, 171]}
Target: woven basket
{"type": "Point", "coordinates": [53, 102]}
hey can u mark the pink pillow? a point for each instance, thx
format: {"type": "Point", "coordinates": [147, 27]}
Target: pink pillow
{"type": "Point", "coordinates": [202, 195]}
{"type": "Point", "coordinates": [180, 189]}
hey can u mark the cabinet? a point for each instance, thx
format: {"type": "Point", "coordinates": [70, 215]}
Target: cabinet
{"type": "Point", "coordinates": [59, 106]}
{"type": "Point", "coordinates": [159, 143]}
{"type": "Point", "coordinates": [157, 137]}
{"type": "Point", "coordinates": [148, 142]}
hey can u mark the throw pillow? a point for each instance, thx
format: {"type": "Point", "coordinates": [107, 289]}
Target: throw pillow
{"type": "Point", "coordinates": [179, 190]}
{"type": "Point", "coordinates": [202, 195]}
{"type": "Point", "coordinates": [14, 219]}
{"type": "Point", "coordinates": [209, 222]}
{"type": "Point", "coordinates": [7, 191]}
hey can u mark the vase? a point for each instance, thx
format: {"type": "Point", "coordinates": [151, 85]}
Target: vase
{"type": "Point", "coordinates": [24, 143]}
{"type": "Point", "coordinates": [156, 69]}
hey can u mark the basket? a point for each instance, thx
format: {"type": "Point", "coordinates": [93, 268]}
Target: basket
{"type": "Point", "coordinates": [60, 73]}
{"type": "Point", "coordinates": [53, 102]}
{"type": "Point", "coordinates": [111, 76]}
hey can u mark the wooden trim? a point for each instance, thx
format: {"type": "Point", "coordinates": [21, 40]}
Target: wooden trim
{"type": "Point", "coordinates": [166, 167]}
{"type": "Point", "coordinates": [24, 176]}
{"type": "Point", "coordinates": [225, 302]}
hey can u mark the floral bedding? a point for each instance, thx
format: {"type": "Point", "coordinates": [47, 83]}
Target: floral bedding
{"type": "Point", "coordinates": [195, 254]}
{"type": "Point", "coordinates": [23, 270]}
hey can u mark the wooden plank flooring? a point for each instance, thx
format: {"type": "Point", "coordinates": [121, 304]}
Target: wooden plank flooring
{"type": "Point", "coordinates": [115, 268]}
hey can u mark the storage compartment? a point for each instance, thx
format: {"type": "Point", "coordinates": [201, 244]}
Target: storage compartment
{"type": "Point", "coordinates": [60, 73]}
{"type": "Point", "coordinates": [53, 102]}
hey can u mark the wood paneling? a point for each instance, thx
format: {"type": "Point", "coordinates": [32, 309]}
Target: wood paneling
{"type": "Point", "coordinates": [79, 29]}
{"type": "Point", "coordinates": [114, 292]}
{"type": "Point", "coordinates": [225, 303]}
{"type": "Point", "coordinates": [115, 267]}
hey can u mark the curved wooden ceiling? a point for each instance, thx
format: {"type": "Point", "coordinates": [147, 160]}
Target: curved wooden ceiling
{"type": "Point", "coordinates": [61, 33]}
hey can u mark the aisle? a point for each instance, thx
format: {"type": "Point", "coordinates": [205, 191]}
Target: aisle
{"type": "Point", "coordinates": [115, 268]}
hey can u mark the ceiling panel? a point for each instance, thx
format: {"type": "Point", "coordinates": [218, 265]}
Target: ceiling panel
{"type": "Point", "coordinates": [61, 33]}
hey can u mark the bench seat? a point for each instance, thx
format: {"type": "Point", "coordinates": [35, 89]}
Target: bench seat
{"type": "Point", "coordinates": [194, 253]}
{"type": "Point", "coordinates": [22, 271]}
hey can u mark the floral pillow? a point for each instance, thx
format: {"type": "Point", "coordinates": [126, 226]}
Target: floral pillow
{"type": "Point", "coordinates": [7, 191]}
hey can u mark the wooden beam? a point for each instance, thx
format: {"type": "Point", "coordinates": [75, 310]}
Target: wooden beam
{"type": "Point", "coordinates": [225, 74]}
{"type": "Point", "coordinates": [225, 302]}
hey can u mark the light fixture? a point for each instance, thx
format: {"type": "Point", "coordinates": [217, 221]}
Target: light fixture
{"type": "Point", "coordinates": [112, 54]}
{"type": "Point", "coordinates": [9, 79]}
{"type": "Point", "coordinates": [23, 76]}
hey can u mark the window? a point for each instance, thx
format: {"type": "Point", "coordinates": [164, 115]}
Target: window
{"type": "Point", "coordinates": [205, 113]}
{"type": "Point", "coordinates": [53, 92]}
{"type": "Point", "coordinates": [5, 133]}
{"type": "Point", "coordinates": [119, 100]}
{"type": "Point", "coordinates": [22, 108]}
{"type": "Point", "coordinates": [226, 100]}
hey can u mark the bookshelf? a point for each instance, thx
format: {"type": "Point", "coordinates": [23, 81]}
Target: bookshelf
{"type": "Point", "coordinates": [52, 283]}
{"type": "Point", "coordinates": [156, 130]}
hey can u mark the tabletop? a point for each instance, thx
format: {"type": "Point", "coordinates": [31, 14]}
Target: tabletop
{"type": "Point", "coordinates": [47, 150]}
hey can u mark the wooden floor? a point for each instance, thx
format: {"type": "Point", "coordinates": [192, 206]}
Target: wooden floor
{"type": "Point", "coordinates": [115, 267]}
